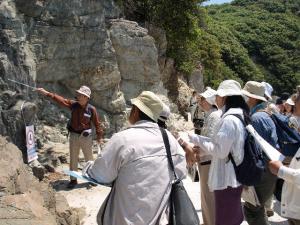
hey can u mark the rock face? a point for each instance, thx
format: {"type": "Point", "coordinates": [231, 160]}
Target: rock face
{"type": "Point", "coordinates": [24, 200]}
{"type": "Point", "coordinates": [62, 45]}
{"type": "Point", "coordinates": [137, 57]}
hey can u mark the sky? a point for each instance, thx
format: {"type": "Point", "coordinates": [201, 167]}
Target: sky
{"type": "Point", "coordinates": [216, 2]}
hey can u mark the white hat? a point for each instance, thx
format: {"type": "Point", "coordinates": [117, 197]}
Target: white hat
{"type": "Point", "coordinates": [290, 102]}
{"type": "Point", "coordinates": [229, 88]}
{"type": "Point", "coordinates": [165, 113]}
{"type": "Point", "coordinates": [254, 89]}
{"type": "Point", "coordinates": [149, 103]}
{"type": "Point", "coordinates": [209, 95]}
{"type": "Point", "coordinates": [268, 89]}
{"type": "Point", "coordinates": [84, 90]}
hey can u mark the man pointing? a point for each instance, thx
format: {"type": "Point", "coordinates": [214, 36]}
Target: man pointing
{"type": "Point", "coordinates": [79, 126]}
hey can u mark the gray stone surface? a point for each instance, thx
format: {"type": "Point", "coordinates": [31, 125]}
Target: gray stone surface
{"type": "Point", "coordinates": [25, 200]}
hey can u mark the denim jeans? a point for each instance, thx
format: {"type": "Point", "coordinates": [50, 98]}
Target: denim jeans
{"type": "Point", "coordinates": [256, 214]}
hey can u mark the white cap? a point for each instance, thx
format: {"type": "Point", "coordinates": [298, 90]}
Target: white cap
{"type": "Point", "coordinates": [149, 103]}
{"type": "Point", "coordinates": [229, 88]}
{"type": "Point", "coordinates": [290, 101]}
{"type": "Point", "coordinates": [165, 113]}
{"type": "Point", "coordinates": [209, 95]}
{"type": "Point", "coordinates": [84, 90]}
{"type": "Point", "coordinates": [268, 89]}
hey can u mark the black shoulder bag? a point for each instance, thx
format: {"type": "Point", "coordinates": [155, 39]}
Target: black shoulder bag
{"type": "Point", "coordinates": [182, 210]}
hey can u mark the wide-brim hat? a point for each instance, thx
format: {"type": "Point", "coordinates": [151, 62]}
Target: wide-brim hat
{"type": "Point", "coordinates": [210, 95]}
{"type": "Point", "coordinates": [254, 89]}
{"type": "Point", "coordinates": [149, 103]}
{"type": "Point", "coordinates": [229, 88]}
{"type": "Point", "coordinates": [84, 90]}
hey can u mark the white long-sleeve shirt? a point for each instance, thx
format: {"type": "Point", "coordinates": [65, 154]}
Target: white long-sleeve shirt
{"type": "Point", "coordinates": [210, 122]}
{"type": "Point", "coordinates": [136, 160]}
{"type": "Point", "coordinates": [290, 198]}
{"type": "Point", "coordinates": [228, 137]}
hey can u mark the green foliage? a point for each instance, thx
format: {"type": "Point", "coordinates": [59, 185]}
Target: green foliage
{"type": "Point", "coordinates": [245, 40]}
{"type": "Point", "coordinates": [259, 40]}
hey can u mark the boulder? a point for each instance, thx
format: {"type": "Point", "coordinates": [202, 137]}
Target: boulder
{"type": "Point", "coordinates": [25, 200]}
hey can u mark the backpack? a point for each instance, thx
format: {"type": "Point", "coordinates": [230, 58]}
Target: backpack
{"type": "Point", "coordinates": [75, 105]}
{"type": "Point", "coordinates": [250, 171]}
{"type": "Point", "coordinates": [288, 137]}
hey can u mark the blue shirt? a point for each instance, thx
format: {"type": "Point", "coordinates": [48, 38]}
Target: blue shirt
{"type": "Point", "coordinates": [265, 127]}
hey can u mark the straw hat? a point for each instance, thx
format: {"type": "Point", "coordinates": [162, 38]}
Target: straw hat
{"type": "Point", "coordinates": [209, 95]}
{"type": "Point", "coordinates": [229, 88]}
{"type": "Point", "coordinates": [149, 103]}
{"type": "Point", "coordinates": [84, 90]}
{"type": "Point", "coordinates": [254, 89]}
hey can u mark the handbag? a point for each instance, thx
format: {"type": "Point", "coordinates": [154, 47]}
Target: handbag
{"type": "Point", "coordinates": [182, 210]}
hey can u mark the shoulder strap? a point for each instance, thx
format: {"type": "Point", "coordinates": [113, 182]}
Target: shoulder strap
{"type": "Point", "coordinates": [230, 157]}
{"type": "Point", "coordinates": [240, 118]}
{"type": "Point", "coordinates": [167, 145]}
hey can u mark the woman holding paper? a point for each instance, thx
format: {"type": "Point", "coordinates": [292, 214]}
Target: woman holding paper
{"type": "Point", "coordinates": [228, 137]}
{"type": "Point", "coordinates": [212, 118]}
{"type": "Point", "coordinates": [290, 198]}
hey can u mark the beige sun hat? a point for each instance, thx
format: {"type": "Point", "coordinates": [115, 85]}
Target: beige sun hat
{"type": "Point", "coordinates": [210, 95]}
{"type": "Point", "coordinates": [149, 103]}
{"type": "Point", "coordinates": [254, 89]}
{"type": "Point", "coordinates": [229, 88]}
{"type": "Point", "coordinates": [84, 90]}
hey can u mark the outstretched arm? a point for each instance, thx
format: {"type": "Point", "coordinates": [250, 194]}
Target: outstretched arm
{"type": "Point", "coordinates": [59, 99]}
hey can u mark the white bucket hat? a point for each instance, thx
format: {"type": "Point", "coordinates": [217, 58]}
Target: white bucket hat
{"type": "Point", "coordinates": [268, 89]}
{"type": "Point", "coordinates": [290, 102]}
{"type": "Point", "coordinates": [209, 95]}
{"type": "Point", "coordinates": [165, 113]}
{"type": "Point", "coordinates": [149, 103]}
{"type": "Point", "coordinates": [254, 89]}
{"type": "Point", "coordinates": [229, 88]}
{"type": "Point", "coordinates": [84, 90]}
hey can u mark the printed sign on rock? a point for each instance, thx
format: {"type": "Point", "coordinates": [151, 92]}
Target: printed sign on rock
{"type": "Point", "coordinates": [30, 143]}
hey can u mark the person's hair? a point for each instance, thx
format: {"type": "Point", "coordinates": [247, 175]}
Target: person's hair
{"type": "Point", "coordinates": [143, 116]}
{"type": "Point", "coordinates": [296, 96]}
{"type": "Point", "coordinates": [258, 101]}
{"type": "Point", "coordinates": [161, 124]}
{"type": "Point", "coordinates": [237, 101]}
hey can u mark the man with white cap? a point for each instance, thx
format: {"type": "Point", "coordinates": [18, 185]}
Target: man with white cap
{"type": "Point", "coordinates": [135, 161]}
{"type": "Point", "coordinates": [264, 125]}
{"type": "Point", "coordinates": [79, 126]}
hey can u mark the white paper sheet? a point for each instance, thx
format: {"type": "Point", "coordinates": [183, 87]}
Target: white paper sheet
{"type": "Point", "coordinates": [79, 175]}
{"type": "Point", "coordinates": [271, 152]}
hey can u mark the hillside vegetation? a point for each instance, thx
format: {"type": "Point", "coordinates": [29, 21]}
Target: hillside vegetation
{"type": "Point", "coordinates": [259, 40]}
{"type": "Point", "coordinates": [245, 40]}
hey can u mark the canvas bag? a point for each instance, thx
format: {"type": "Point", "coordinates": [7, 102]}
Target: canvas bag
{"type": "Point", "coordinates": [182, 210]}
